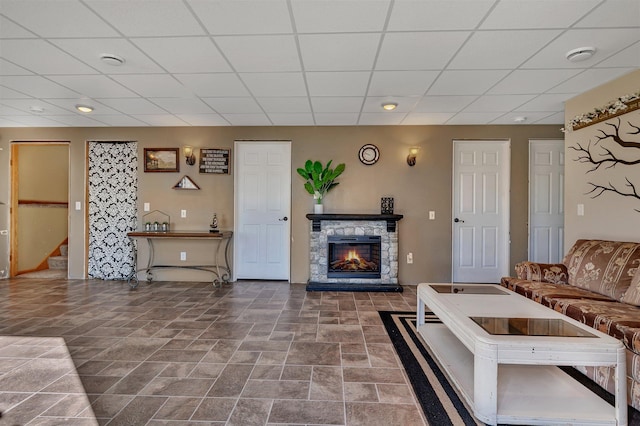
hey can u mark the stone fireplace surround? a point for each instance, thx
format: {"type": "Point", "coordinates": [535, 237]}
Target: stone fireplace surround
{"type": "Point", "coordinates": [323, 225]}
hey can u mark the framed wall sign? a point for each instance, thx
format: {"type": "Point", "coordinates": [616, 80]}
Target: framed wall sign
{"type": "Point", "coordinates": [215, 161]}
{"type": "Point", "coordinates": [161, 160]}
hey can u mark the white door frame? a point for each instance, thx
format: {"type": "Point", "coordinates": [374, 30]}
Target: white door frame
{"type": "Point", "coordinates": [236, 210]}
{"type": "Point", "coordinates": [504, 205]}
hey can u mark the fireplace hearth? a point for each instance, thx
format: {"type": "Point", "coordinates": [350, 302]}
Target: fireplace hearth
{"type": "Point", "coordinates": [353, 252]}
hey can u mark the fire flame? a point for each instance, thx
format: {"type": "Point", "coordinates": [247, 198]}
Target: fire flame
{"type": "Point", "coordinates": [352, 255]}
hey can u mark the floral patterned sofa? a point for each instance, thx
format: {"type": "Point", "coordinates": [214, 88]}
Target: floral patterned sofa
{"type": "Point", "coordinates": [598, 284]}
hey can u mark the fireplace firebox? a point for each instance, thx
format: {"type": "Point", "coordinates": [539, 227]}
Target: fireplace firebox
{"type": "Point", "coordinates": [356, 256]}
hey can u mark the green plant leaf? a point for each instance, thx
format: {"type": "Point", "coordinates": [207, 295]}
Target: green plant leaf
{"type": "Point", "coordinates": [303, 173]}
{"type": "Point", "coordinates": [309, 188]}
{"type": "Point", "coordinates": [317, 167]}
{"type": "Point", "coordinates": [308, 166]}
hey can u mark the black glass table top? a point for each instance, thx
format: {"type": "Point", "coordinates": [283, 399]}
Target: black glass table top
{"type": "Point", "coordinates": [550, 327]}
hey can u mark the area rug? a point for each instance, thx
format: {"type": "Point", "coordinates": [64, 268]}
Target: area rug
{"type": "Point", "coordinates": [438, 398]}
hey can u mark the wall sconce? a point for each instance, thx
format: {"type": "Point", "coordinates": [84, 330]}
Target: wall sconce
{"type": "Point", "coordinates": [411, 158]}
{"type": "Point", "coordinates": [189, 156]}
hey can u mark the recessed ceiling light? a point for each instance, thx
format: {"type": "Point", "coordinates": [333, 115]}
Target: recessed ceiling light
{"type": "Point", "coordinates": [389, 106]}
{"type": "Point", "coordinates": [580, 54]}
{"type": "Point", "coordinates": [520, 119]}
{"type": "Point", "coordinates": [36, 109]}
{"type": "Point", "coordinates": [84, 108]}
{"type": "Point", "coordinates": [113, 60]}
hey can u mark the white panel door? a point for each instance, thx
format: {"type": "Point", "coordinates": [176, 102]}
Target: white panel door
{"type": "Point", "coordinates": [546, 201]}
{"type": "Point", "coordinates": [480, 211]}
{"type": "Point", "coordinates": [262, 210]}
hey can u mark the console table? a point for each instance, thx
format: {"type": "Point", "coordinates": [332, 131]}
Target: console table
{"type": "Point", "coordinates": [221, 240]}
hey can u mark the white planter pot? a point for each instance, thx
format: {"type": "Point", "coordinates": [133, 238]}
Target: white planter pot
{"type": "Point", "coordinates": [318, 208]}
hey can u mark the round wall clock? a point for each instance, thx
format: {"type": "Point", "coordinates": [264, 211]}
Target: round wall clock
{"type": "Point", "coordinates": [369, 154]}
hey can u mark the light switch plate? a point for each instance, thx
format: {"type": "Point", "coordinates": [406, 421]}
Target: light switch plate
{"type": "Point", "coordinates": [78, 205]}
{"type": "Point", "coordinates": [580, 209]}
{"type": "Point", "coordinates": [432, 215]}
{"type": "Point", "coordinates": [183, 213]}
{"type": "Point", "coordinates": [147, 207]}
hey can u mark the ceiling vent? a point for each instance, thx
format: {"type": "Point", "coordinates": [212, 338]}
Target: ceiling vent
{"type": "Point", "coordinates": [580, 54]}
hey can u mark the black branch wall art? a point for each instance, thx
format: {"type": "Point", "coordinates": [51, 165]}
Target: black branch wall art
{"type": "Point", "coordinates": [613, 159]}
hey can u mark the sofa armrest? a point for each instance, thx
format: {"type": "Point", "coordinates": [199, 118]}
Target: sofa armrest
{"type": "Point", "coordinates": [555, 273]}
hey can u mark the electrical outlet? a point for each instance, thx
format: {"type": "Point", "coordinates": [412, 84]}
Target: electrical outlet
{"type": "Point", "coordinates": [147, 207]}
{"type": "Point", "coordinates": [183, 255]}
{"type": "Point", "coordinates": [183, 213]}
{"type": "Point", "coordinates": [410, 258]}
{"type": "Point", "coordinates": [432, 215]}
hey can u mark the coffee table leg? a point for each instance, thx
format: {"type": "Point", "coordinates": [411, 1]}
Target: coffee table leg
{"type": "Point", "coordinates": [420, 312]}
{"type": "Point", "coordinates": [621, 388]}
{"type": "Point", "coordinates": [485, 384]}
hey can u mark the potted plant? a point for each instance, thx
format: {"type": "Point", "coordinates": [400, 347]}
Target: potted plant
{"type": "Point", "coordinates": [319, 180]}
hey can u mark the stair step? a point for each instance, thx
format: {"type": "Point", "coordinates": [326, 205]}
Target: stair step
{"type": "Point", "coordinates": [58, 262]}
{"type": "Point", "coordinates": [64, 249]}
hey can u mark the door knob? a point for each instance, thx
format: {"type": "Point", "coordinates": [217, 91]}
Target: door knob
{"type": "Point", "coordinates": [284, 219]}
{"type": "Point", "coordinates": [456, 220]}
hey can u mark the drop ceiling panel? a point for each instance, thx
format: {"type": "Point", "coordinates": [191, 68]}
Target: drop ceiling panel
{"type": "Point", "coordinates": [69, 18]}
{"type": "Point", "coordinates": [132, 106]}
{"type": "Point", "coordinates": [629, 57]}
{"type": "Point", "coordinates": [336, 119]}
{"type": "Point", "coordinates": [285, 105]}
{"type": "Point", "coordinates": [227, 84]}
{"type": "Point", "coordinates": [41, 57]}
{"type": "Point", "coordinates": [24, 105]}
{"type": "Point", "coordinates": [411, 15]}
{"type": "Point", "coordinates": [203, 119]}
{"type": "Point", "coordinates": [532, 81]}
{"type": "Point", "coordinates": [34, 121]}
{"type": "Point", "coordinates": [233, 105]}
{"type": "Point", "coordinates": [500, 49]}
{"type": "Point", "coordinates": [337, 83]}
{"type": "Point", "coordinates": [243, 17]}
{"type": "Point", "coordinates": [419, 51]}
{"type": "Point", "coordinates": [93, 86]}
{"type": "Point", "coordinates": [70, 106]}
{"type": "Point", "coordinates": [275, 84]}
{"type": "Point", "coordinates": [260, 53]}
{"type": "Point", "coordinates": [182, 105]}
{"type": "Point", "coordinates": [555, 118]}
{"type": "Point", "coordinates": [381, 118]}
{"type": "Point", "coordinates": [160, 120]}
{"type": "Point", "coordinates": [443, 103]}
{"type": "Point", "coordinates": [466, 82]}
{"type": "Point", "coordinates": [153, 85]}
{"type": "Point", "coordinates": [37, 86]}
{"type": "Point", "coordinates": [7, 68]}
{"type": "Point", "coordinates": [338, 16]}
{"type": "Point", "coordinates": [118, 120]}
{"type": "Point", "coordinates": [427, 118]}
{"type": "Point", "coordinates": [536, 14]}
{"type": "Point", "coordinates": [148, 18]}
{"type": "Point", "coordinates": [338, 52]}
{"type": "Point", "coordinates": [247, 119]}
{"type": "Point", "coordinates": [474, 117]}
{"type": "Point", "coordinates": [291, 119]}
{"type": "Point", "coordinates": [77, 120]}
{"type": "Point", "coordinates": [546, 102]}
{"type": "Point", "coordinates": [374, 104]}
{"type": "Point", "coordinates": [613, 13]}
{"type": "Point", "coordinates": [336, 104]}
{"type": "Point", "coordinates": [184, 54]}
{"type": "Point", "coordinates": [589, 79]}
{"type": "Point", "coordinates": [498, 103]}
{"type": "Point", "coordinates": [607, 42]}
{"type": "Point", "coordinates": [530, 118]}
{"type": "Point", "coordinates": [401, 83]}
{"type": "Point", "coordinates": [8, 29]}
{"type": "Point", "coordinates": [6, 93]}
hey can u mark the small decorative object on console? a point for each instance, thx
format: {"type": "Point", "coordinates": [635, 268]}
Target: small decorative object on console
{"type": "Point", "coordinates": [214, 223]}
{"type": "Point", "coordinates": [386, 205]}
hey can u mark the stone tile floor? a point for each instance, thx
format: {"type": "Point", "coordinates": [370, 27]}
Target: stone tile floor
{"type": "Point", "coordinates": [181, 353]}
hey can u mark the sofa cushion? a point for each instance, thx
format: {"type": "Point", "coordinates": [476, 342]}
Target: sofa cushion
{"type": "Point", "coordinates": [616, 319]}
{"type": "Point", "coordinates": [605, 267]}
{"type": "Point", "coordinates": [632, 296]}
{"type": "Point", "coordinates": [540, 292]}
{"type": "Point", "coordinates": [545, 272]}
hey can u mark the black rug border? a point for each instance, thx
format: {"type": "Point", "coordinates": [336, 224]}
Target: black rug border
{"type": "Point", "coordinates": [435, 412]}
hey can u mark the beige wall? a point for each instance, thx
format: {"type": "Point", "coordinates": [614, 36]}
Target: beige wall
{"type": "Point", "coordinates": [417, 190]}
{"type": "Point", "coordinates": [608, 216]}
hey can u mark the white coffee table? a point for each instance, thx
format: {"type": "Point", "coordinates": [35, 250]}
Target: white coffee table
{"type": "Point", "coordinates": [510, 377]}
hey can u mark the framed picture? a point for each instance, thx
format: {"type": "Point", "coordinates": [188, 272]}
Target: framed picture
{"type": "Point", "coordinates": [161, 160]}
{"type": "Point", "coordinates": [215, 161]}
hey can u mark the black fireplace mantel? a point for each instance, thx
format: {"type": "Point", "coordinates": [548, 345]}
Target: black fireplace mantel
{"type": "Point", "coordinates": [391, 219]}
